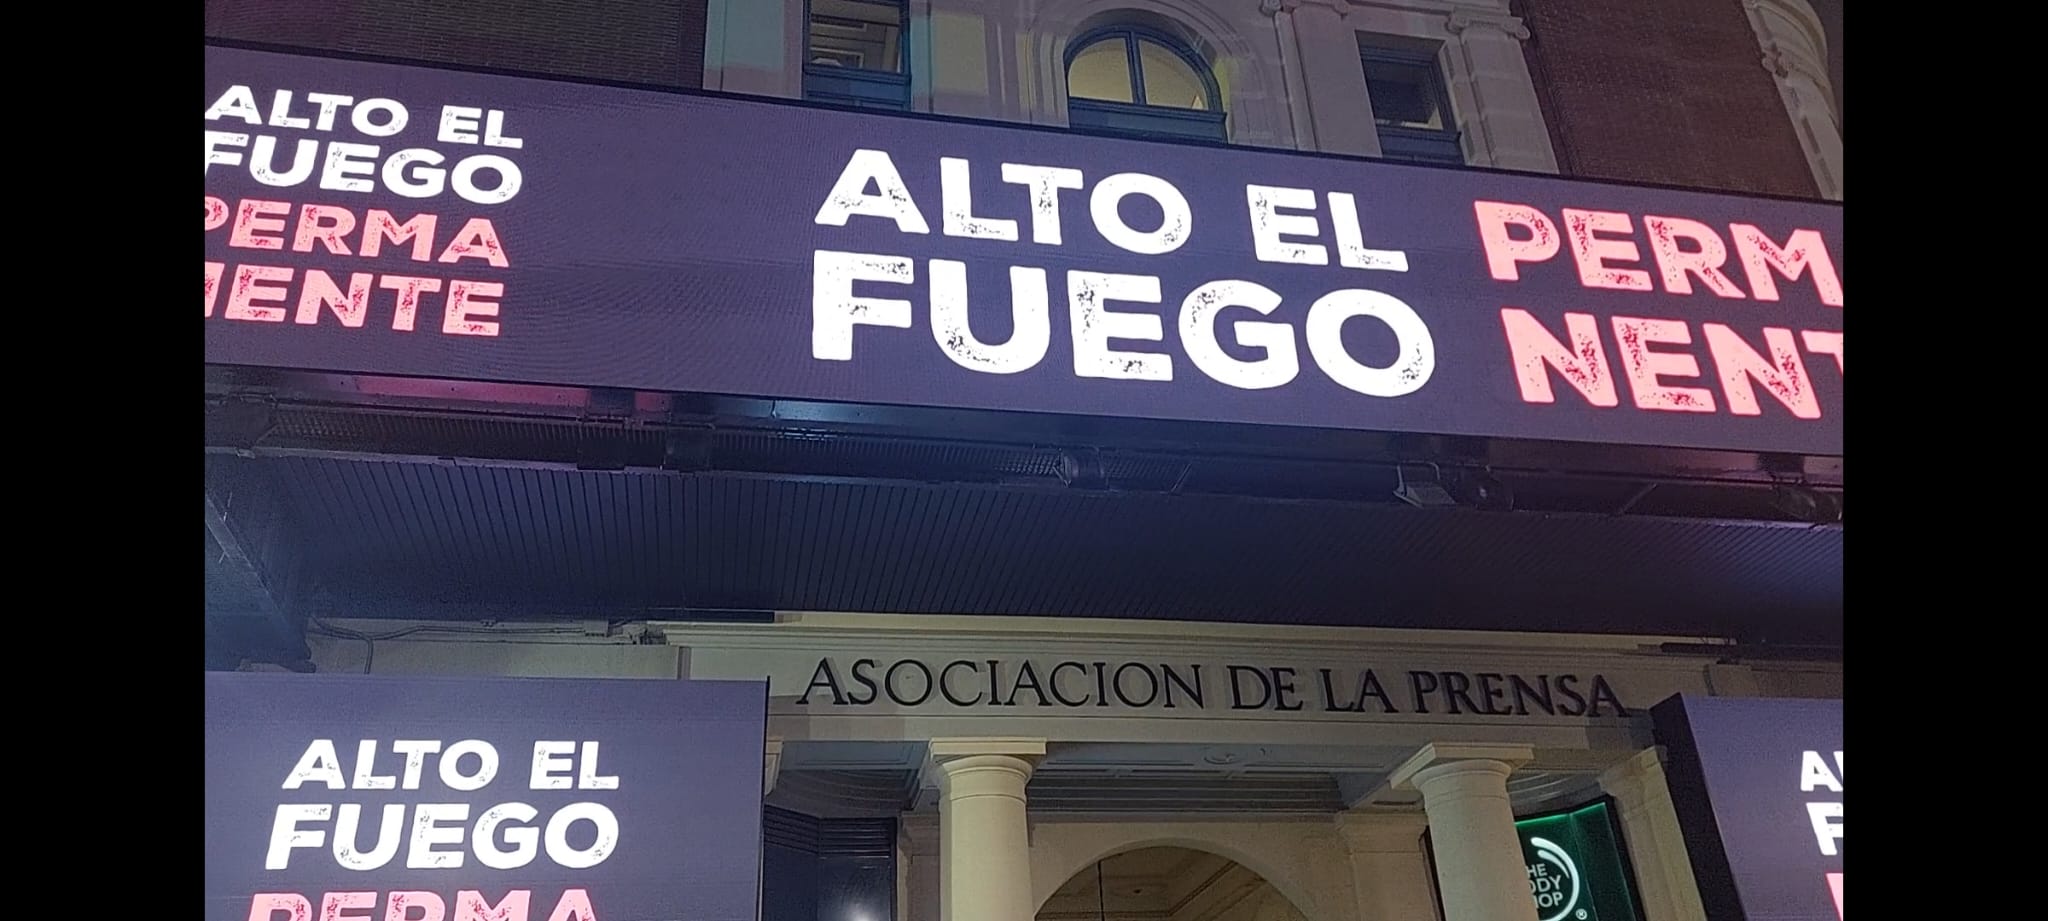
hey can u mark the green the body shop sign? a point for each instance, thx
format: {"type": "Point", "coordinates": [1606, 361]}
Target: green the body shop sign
{"type": "Point", "coordinates": [1576, 869]}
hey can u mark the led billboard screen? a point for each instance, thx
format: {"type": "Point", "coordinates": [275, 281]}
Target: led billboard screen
{"type": "Point", "coordinates": [380, 219]}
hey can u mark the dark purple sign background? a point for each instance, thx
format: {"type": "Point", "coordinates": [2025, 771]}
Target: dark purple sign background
{"type": "Point", "coordinates": [1735, 767]}
{"type": "Point", "coordinates": [666, 242]}
{"type": "Point", "coordinates": [687, 756]}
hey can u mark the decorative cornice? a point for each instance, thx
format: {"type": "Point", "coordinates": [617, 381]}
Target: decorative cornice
{"type": "Point", "coordinates": [1783, 64]}
{"type": "Point", "coordinates": [1799, 14]}
{"type": "Point", "coordinates": [1462, 20]}
{"type": "Point", "coordinates": [1276, 7]}
{"type": "Point", "coordinates": [1795, 53]}
{"type": "Point", "coordinates": [1793, 40]}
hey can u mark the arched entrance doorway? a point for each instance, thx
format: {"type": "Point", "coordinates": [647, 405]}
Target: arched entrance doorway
{"type": "Point", "coordinates": [1168, 884]}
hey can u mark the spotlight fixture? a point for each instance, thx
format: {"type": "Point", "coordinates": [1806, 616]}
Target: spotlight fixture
{"type": "Point", "coordinates": [1802, 504]}
{"type": "Point", "coordinates": [241, 424]}
{"type": "Point", "coordinates": [687, 451]}
{"type": "Point", "coordinates": [1423, 487]}
{"type": "Point", "coordinates": [1083, 470]}
{"type": "Point", "coordinates": [1484, 491]}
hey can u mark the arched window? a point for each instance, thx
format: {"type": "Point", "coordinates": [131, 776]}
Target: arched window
{"type": "Point", "coordinates": [1139, 81]}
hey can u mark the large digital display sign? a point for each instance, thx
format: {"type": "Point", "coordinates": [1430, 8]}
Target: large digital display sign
{"type": "Point", "coordinates": [1758, 787]}
{"type": "Point", "coordinates": [381, 219]}
{"type": "Point", "coordinates": [343, 797]}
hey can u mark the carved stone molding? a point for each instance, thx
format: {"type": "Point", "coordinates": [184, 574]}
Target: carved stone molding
{"type": "Point", "coordinates": [1784, 64]}
{"type": "Point", "coordinates": [1275, 7]}
{"type": "Point", "coordinates": [1460, 21]}
{"type": "Point", "coordinates": [1792, 38]}
{"type": "Point", "coordinates": [1795, 53]}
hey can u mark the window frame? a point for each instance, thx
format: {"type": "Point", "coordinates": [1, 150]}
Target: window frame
{"type": "Point", "coordinates": [1137, 119]}
{"type": "Point", "coordinates": [857, 87]}
{"type": "Point", "coordinates": [1402, 142]}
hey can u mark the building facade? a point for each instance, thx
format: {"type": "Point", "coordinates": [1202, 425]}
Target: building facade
{"type": "Point", "coordinates": [1085, 666]}
{"type": "Point", "coordinates": [1299, 760]}
{"type": "Point", "coordinates": [1682, 97]}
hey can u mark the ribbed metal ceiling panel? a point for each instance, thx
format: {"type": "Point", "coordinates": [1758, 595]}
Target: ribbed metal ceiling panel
{"type": "Point", "coordinates": [389, 536]}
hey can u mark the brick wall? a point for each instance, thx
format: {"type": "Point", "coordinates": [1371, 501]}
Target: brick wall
{"type": "Point", "coordinates": [1670, 91]}
{"type": "Point", "coordinates": [640, 41]}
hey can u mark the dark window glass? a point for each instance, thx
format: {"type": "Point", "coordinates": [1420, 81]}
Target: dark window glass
{"type": "Point", "coordinates": [1403, 93]}
{"type": "Point", "coordinates": [857, 35]}
{"type": "Point", "coordinates": [855, 54]}
{"type": "Point", "coordinates": [1409, 104]}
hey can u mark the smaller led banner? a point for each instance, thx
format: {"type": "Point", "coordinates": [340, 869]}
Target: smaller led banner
{"type": "Point", "coordinates": [1758, 785]}
{"type": "Point", "coordinates": [1576, 869]}
{"type": "Point", "coordinates": [358, 798]}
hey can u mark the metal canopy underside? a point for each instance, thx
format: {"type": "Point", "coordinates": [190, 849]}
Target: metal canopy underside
{"type": "Point", "coordinates": [488, 516]}
{"type": "Point", "coordinates": [386, 538]}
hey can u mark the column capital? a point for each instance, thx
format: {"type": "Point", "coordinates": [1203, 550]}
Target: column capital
{"type": "Point", "coordinates": [1437, 756]}
{"type": "Point", "coordinates": [1461, 20]}
{"type": "Point", "coordinates": [1380, 831]}
{"type": "Point", "coordinates": [977, 755]}
{"type": "Point", "coordinates": [948, 750]}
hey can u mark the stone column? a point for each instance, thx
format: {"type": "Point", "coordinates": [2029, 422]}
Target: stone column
{"type": "Point", "coordinates": [918, 848]}
{"type": "Point", "coordinates": [1472, 828]}
{"type": "Point", "coordinates": [984, 841]}
{"type": "Point", "coordinates": [1389, 870]}
{"type": "Point", "coordinates": [1503, 122]}
{"type": "Point", "coordinates": [1331, 75]}
{"type": "Point", "coordinates": [1656, 844]}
